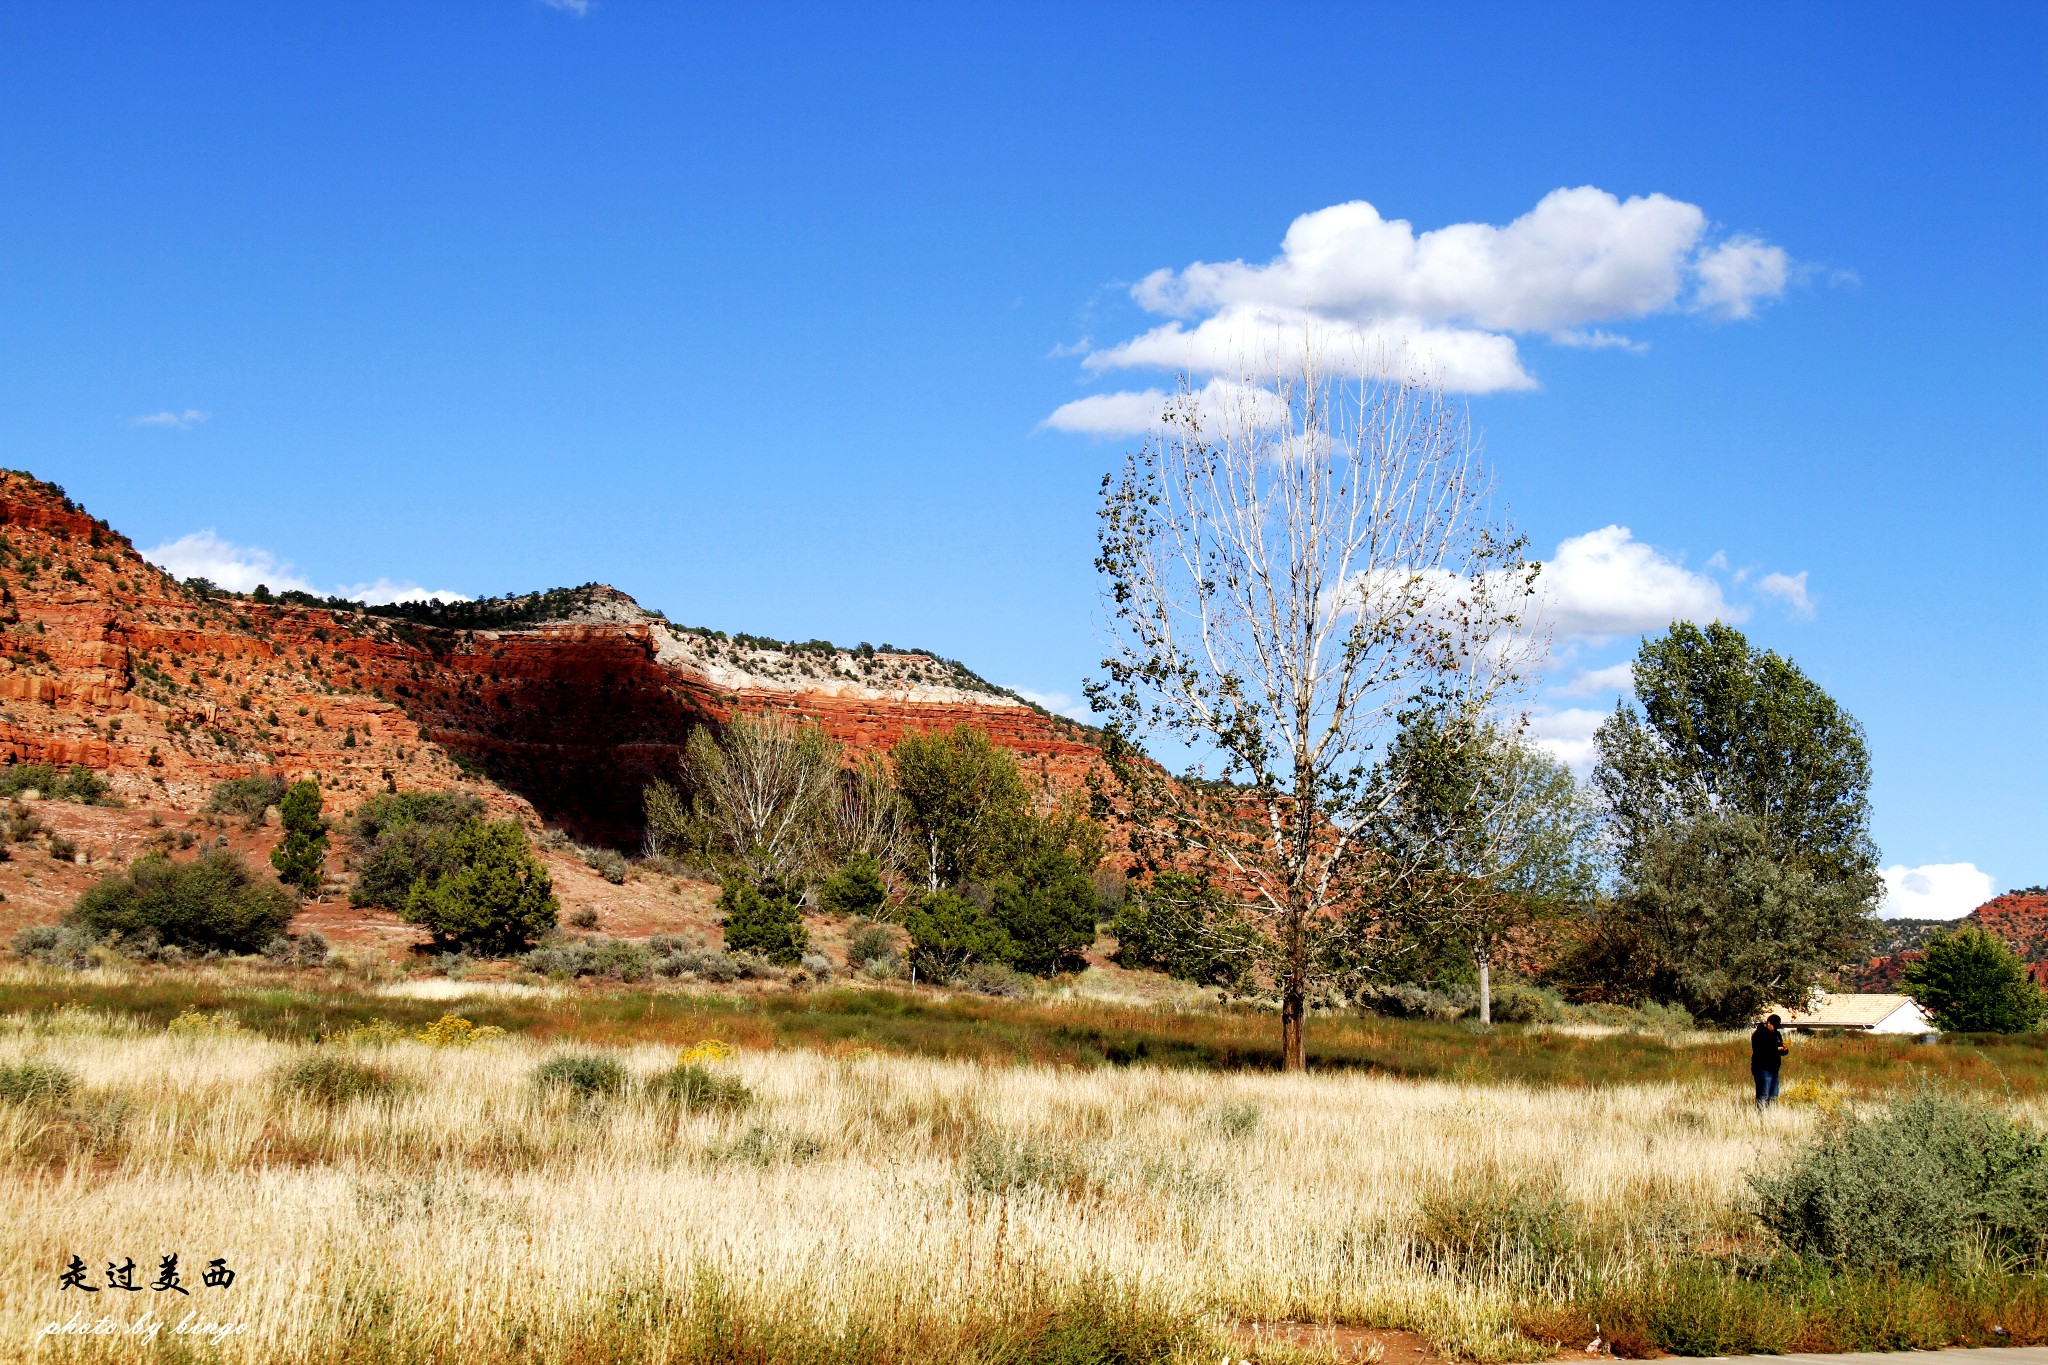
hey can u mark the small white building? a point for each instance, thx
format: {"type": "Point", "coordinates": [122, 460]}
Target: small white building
{"type": "Point", "coordinates": [1856, 1013]}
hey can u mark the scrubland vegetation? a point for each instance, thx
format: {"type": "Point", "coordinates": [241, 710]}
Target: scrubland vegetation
{"type": "Point", "coordinates": [424, 1194]}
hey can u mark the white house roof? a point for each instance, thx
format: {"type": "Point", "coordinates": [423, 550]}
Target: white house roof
{"type": "Point", "coordinates": [1848, 1010]}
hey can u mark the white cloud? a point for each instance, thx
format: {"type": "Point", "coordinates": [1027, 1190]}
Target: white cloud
{"type": "Point", "coordinates": [1121, 414]}
{"type": "Point", "coordinates": [579, 8]}
{"type": "Point", "coordinates": [1934, 891]}
{"type": "Point", "coordinates": [1733, 276]}
{"type": "Point", "coordinates": [1567, 735]}
{"type": "Point", "coordinates": [1260, 340]}
{"type": "Point", "coordinates": [177, 421]}
{"type": "Point", "coordinates": [1607, 583]}
{"type": "Point", "coordinates": [1382, 299]}
{"type": "Point", "coordinates": [1598, 339]}
{"type": "Point", "coordinates": [1059, 703]}
{"type": "Point", "coordinates": [1619, 677]}
{"type": "Point", "coordinates": [240, 568]}
{"type": "Point", "coordinates": [1789, 589]}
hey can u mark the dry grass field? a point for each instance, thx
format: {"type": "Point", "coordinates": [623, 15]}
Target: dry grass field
{"type": "Point", "coordinates": [385, 1201]}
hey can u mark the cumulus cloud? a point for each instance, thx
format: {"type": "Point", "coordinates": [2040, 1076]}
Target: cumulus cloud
{"type": "Point", "coordinates": [1567, 735]}
{"type": "Point", "coordinates": [1738, 273]}
{"type": "Point", "coordinates": [177, 421]}
{"type": "Point", "coordinates": [1118, 414]}
{"type": "Point", "coordinates": [1619, 677]}
{"type": "Point", "coordinates": [240, 568]}
{"type": "Point", "coordinates": [1789, 589]}
{"type": "Point", "coordinates": [1607, 583]}
{"type": "Point", "coordinates": [1934, 891]}
{"type": "Point", "coordinates": [1382, 299]}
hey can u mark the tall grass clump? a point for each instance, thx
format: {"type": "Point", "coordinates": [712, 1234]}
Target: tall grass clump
{"type": "Point", "coordinates": [1917, 1186]}
{"type": "Point", "coordinates": [36, 1083]}
{"type": "Point", "coordinates": [329, 1079]}
{"type": "Point", "coordinates": [696, 1087]}
{"type": "Point", "coordinates": [580, 1075]}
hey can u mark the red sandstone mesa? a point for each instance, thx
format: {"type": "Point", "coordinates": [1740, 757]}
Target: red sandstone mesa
{"type": "Point", "coordinates": [107, 661]}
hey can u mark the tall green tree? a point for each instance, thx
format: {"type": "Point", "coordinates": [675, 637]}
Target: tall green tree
{"type": "Point", "coordinates": [1484, 834]}
{"type": "Point", "coordinates": [966, 799]}
{"type": "Point", "coordinates": [1729, 729]}
{"type": "Point", "coordinates": [1971, 982]}
{"type": "Point", "coordinates": [301, 855]}
{"type": "Point", "coordinates": [1738, 801]}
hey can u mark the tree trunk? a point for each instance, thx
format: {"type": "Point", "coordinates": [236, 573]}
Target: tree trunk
{"type": "Point", "coordinates": [1484, 958]}
{"type": "Point", "coordinates": [1294, 996]}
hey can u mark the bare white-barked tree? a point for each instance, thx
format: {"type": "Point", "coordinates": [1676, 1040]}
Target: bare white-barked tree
{"type": "Point", "coordinates": [1295, 563]}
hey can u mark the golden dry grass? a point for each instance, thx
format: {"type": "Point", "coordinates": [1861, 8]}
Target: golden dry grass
{"type": "Point", "coordinates": [860, 1207]}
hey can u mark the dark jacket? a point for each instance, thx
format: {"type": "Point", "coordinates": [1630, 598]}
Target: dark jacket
{"type": "Point", "coordinates": [1767, 1048]}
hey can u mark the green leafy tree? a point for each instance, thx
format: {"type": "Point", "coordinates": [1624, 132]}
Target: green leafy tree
{"type": "Point", "coordinates": [301, 856]}
{"type": "Point", "coordinates": [1738, 802]}
{"type": "Point", "coordinates": [762, 917]}
{"type": "Point", "coordinates": [212, 904]}
{"type": "Point", "coordinates": [1714, 921]}
{"type": "Point", "coordinates": [856, 888]}
{"type": "Point", "coordinates": [1728, 729]}
{"type": "Point", "coordinates": [1178, 923]}
{"type": "Point", "coordinates": [1483, 834]}
{"type": "Point", "coordinates": [493, 897]}
{"type": "Point", "coordinates": [1971, 982]}
{"type": "Point", "coordinates": [949, 932]}
{"type": "Point", "coordinates": [965, 799]}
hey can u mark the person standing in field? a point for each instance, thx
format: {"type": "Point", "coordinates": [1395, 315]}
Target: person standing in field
{"type": "Point", "coordinates": [1767, 1051]}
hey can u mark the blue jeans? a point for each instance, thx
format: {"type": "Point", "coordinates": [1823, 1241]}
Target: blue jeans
{"type": "Point", "coordinates": [1766, 1086]}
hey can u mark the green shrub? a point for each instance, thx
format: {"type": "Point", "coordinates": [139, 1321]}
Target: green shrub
{"type": "Point", "coordinates": [1518, 1002]}
{"type": "Point", "coordinates": [871, 943]}
{"type": "Point", "coordinates": [607, 863]}
{"type": "Point", "coordinates": [77, 783]}
{"type": "Point", "coordinates": [947, 932]}
{"type": "Point", "coordinates": [55, 946]}
{"type": "Point", "coordinates": [761, 917]}
{"type": "Point", "coordinates": [1181, 925]}
{"type": "Point", "coordinates": [1047, 907]}
{"type": "Point", "coordinates": [1912, 1188]}
{"type": "Point", "coordinates": [36, 1083]}
{"type": "Point", "coordinates": [855, 889]}
{"type": "Point", "coordinates": [613, 959]}
{"type": "Point", "coordinates": [584, 1075]}
{"type": "Point", "coordinates": [247, 797]}
{"type": "Point", "coordinates": [1971, 982]}
{"type": "Point", "coordinates": [301, 856]}
{"type": "Point", "coordinates": [493, 898]}
{"type": "Point", "coordinates": [697, 1087]}
{"type": "Point", "coordinates": [211, 904]}
{"type": "Point", "coordinates": [329, 1079]}
{"type": "Point", "coordinates": [398, 838]}
{"type": "Point", "coordinates": [993, 978]}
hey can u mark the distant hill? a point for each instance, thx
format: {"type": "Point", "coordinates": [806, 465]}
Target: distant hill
{"type": "Point", "coordinates": [2018, 917]}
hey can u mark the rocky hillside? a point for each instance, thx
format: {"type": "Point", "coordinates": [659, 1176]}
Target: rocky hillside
{"type": "Point", "coordinates": [2018, 917]}
{"type": "Point", "coordinates": [560, 704]}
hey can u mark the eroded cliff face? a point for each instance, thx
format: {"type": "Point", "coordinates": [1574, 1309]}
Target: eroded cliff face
{"type": "Point", "coordinates": [106, 661]}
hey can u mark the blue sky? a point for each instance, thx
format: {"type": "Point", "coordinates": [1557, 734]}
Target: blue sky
{"type": "Point", "coordinates": [760, 312]}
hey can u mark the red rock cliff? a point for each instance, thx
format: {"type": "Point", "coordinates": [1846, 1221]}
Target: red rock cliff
{"type": "Point", "coordinates": [106, 661]}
